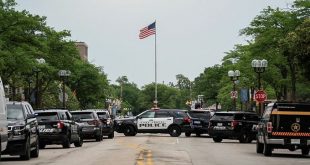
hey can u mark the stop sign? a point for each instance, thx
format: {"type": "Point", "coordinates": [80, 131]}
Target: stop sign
{"type": "Point", "coordinates": [260, 96]}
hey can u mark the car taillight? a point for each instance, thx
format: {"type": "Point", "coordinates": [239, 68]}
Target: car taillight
{"type": "Point", "coordinates": [60, 125]}
{"type": "Point", "coordinates": [94, 122]}
{"type": "Point", "coordinates": [187, 120]}
{"type": "Point", "coordinates": [234, 124]}
{"type": "Point", "coordinates": [269, 127]}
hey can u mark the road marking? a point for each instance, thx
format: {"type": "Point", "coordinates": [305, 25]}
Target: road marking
{"type": "Point", "coordinates": [145, 154]}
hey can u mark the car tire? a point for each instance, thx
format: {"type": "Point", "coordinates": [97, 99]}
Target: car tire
{"type": "Point", "coordinates": [267, 149]}
{"type": "Point", "coordinates": [198, 134]}
{"type": "Point", "coordinates": [217, 139]}
{"type": "Point", "coordinates": [175, 131]}
{"type": "Point", "coordinates": [129, 131]}
{"type": "Point", "coordinates": [42, 145]}
{"type": "Point", "coordinates": [259, 147]}
{"type": "Point", "coordinates": [305, 151]}
{"type": "Point", "coordinates": [26, 156]}
{"type": "Point", "coordinates": [36, 151]}
{"type": "Point", "coordinates": [243, 138]}
{"type": "Point", "coordinates": [79, 143]}
{"type": "Point", "coordinates": [187, 134]}
{"type": "Point", "coordinates": [0, 149]}
{"type": "Point", "coordinates": [111, 136]}
{"type": "Point", "coordinates": [66, 143]}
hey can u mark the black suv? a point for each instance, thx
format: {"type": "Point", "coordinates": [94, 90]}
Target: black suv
{"type": "Point", "coordinates": [172, 121]}
{"type": "Point", "coordinates": [22, 131]}
{"type": "Point", "coordinates": [107, 123]}
{"type": "Point", "coordinates": [233, 125]}
{"type": "Point", "coordinates": [56, 126]}
{"type": "Point", "coordinates": [90, 123]}
{"type": "Point", "coordinates": [199, 123]}
{"type": "Point", "coordinates": [285, 126]}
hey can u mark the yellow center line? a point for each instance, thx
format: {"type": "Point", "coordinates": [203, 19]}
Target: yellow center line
{"type": "Point", "coordinates": [149, 158]}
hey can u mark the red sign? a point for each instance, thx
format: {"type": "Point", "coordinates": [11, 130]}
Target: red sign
{"type": "Point", "coordinates": [260, 96]}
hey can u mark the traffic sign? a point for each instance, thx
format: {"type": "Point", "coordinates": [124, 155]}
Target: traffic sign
{"type": "Point", "coordinates": [260, 96]}
{"type": "Point", "coordinates": [234, 94]}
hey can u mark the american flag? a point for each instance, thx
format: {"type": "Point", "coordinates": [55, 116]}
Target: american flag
{"type": "Point", "coordinates": [147, 31]}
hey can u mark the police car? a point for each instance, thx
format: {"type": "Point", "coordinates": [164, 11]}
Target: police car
{"type": "Point", "coordinates": [172, 121]}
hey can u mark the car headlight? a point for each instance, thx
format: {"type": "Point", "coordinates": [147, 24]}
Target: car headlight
{"type": "Point", "coordinates": [18, 130]}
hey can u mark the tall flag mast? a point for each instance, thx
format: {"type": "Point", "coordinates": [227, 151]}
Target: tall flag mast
{"type": "Point", "coordinates": [145, 32]}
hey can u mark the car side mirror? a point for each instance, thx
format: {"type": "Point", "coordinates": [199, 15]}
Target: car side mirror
{"type": "Point", "coordinates": [30, 116]}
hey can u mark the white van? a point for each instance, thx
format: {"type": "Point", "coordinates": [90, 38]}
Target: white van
{"type": "Point", "coordinates": [3, 120]}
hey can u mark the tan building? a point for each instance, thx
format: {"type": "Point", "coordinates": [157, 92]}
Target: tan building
{"type": "Point", "coordinates": [83, 50]}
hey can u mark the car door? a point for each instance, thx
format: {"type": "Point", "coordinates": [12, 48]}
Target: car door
{"type": "Point", "coordinates": [162, 120]}
{"type": "Point", "coordinates": [72, 123]}
{"type": "Point", "coordinates": [30, 123]}
{"type": "Point", "coordinates": [145, 122]}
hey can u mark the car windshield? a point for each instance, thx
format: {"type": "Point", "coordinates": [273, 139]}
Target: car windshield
{"type": "Point", "coordinates": [82, 115]}
{"type": "Point", "coordinates": [195, 114]}
{"type": "Point", "coordinates": [15, 112]}
{"type": "Point", "coordinates": [47, 116]}
{"type": "Point", "coordinates": [223, 116]}
{"type": "Point", "coordinates": [103, 115]}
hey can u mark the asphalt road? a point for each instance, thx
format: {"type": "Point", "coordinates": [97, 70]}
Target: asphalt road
{"type": "Point", "coordinates": [159, 149]}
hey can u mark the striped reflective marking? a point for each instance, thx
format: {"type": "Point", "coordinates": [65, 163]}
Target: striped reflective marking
{"type": "Point", "coordinates": [290, 113]}
{"type": "Point", "coordinates": [304, 134]}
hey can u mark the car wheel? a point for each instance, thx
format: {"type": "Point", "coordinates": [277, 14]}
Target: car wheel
{"type": "Point", "coordinates": [79, 143]}
{"type": "Point", "coordinates": [243, 138]}
{"type": "Point", "coordinates": [66, 143]}
{"type": "Point", "coordinates": [305, 151]}
{"type": "Point", "coordinates": [175, 131]}
{"type": "Point", "coordinates": [129, 131]}
{"type": "Point", "coordinates": [267, 150]}
{"type": "Point", "coordinates": [187, 134]}
{"type": "Point", "coordinates": [42, 145]}
{"type": "Point", "coordinates": [217, 139]}
{"type": "Point", "coordinates": [35, 152]}
{"type": "Point", "coordinates": [111, 136]}
{"type": "Point", "coordinates": [259, 147]}
{"type": "Point", "coordinates": [26, 156]}
{"type": "Point", "coordinates": [0, 149]}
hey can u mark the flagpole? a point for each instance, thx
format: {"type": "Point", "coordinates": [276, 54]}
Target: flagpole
{"type": "Point", "coordinates": [155, 101]}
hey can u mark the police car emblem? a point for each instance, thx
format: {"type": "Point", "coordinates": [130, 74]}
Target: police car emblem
{"type": "Point", "coordinates": [295, 127]}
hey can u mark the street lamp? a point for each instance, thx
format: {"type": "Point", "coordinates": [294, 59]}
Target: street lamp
{"type": "Point", "coordinates": [259, 67]}
{"type": "Point", "coordinates": [234, 76]}
{"type": "Point", "coordinates": [36, 71]}
{"type": "Point", "coordinates": [64, 74]}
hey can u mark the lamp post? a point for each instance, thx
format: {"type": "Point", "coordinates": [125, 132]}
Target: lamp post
{"type": "Point", "coordinates": [234, 76]}
{"type": "Point", "coordinates": [259, 67]}
{"type": "Point", "coordinates": [64, 74]}
{"type": "Point", "coordinates": [36, 71]}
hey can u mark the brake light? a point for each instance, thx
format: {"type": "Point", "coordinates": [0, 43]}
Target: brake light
{"type": "Point", "coordinates": [60, 125]}
{"type": "Point", "coordinates": [94, 122]}
{"type": "Point", "coordinates": [234, 124]}
{"type": "Point", "coordinates": [187, 120]}
{"type": "Point", "coordinates": [269, 127]}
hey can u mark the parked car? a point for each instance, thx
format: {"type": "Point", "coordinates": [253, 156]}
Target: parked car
{"type": "Point", "coordinates": [233, 125]}
{"type": "Point", "coordinates": [200, 122]}
{"type": "Point", "coordinates": [172, 121]}
{"type": "Point", "coordinates": [3, 120]}
{"type": "Point", "coordinates": [90, 123]}
{"type": "Point", "coordinates": [23, 136]}
{"type": "Point", "coordinates": [284, 126]}
{"type": "Point", "coordinates": [107, 123]}
{"type": "Point", "coordinates": [56, 126]}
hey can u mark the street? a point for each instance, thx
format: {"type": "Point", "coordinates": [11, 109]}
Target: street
{"type": "Point", "coordinates": [159, 149]}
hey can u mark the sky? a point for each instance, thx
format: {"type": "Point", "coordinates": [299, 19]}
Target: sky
{"type": "Point", "coordinates": [191, 34]}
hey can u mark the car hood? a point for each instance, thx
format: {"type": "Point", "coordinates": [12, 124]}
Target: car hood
{"type": "Point", "coordinates": [16, 122]}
